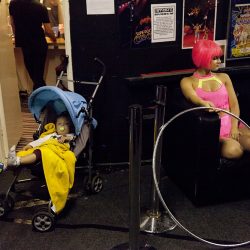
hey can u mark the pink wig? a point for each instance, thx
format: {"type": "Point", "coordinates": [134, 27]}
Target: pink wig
{"type": "Point", "coordinates": [204, 51]}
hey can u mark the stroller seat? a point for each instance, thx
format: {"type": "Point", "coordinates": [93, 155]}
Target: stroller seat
{"type": "Point", "coordinates": [45, 104]}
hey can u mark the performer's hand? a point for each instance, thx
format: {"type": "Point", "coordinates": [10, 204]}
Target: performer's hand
{"type": "Point", "coordinates": [209, 105]}
{"type": "Point", "coordinates": [235, 134]}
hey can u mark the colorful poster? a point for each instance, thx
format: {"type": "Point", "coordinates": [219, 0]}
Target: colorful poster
{"type": "Point", "coordinates": [239, 33]}
{"type": "Point", "coordinates": [199, 19]}
{"type": "Point", "coordinates": [135, 23]}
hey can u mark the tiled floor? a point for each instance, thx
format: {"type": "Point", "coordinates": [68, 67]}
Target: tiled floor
{"type": "Point", "coordinates": [29, 124]}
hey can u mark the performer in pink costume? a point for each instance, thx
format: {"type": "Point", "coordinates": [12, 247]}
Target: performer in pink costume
{"type": "Point", "coordinates": [210, 89]}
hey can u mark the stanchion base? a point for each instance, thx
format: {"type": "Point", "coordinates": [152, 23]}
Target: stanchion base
{"type": "Point", "coordinates": [125, 246]}
{"type": "Point", "coordinates": [159, 222]}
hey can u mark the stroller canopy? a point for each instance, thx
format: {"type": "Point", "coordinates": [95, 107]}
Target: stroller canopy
{"type": "Point", "coordinates": [61, 101]}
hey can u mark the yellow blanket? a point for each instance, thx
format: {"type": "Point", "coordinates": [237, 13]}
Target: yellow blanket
{"type": "Point", "coordinates": [59, 170]}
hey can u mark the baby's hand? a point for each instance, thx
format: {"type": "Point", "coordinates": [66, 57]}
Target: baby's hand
{"type": "Point", "coordinates": [27, 147]}
{"type": "Point", "coordinates": [62, 139]}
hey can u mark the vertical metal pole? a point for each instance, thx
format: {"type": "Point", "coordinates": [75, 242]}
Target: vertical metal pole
{"type": "Point", "coordinates": [161, 93]}
{"type": "Point", "coordinates": [135, 148]}
{"type": "Point", "coordinates": [154, 221]}
{"type": "Point", "coordinates": [134, 175]}
{"type": "Point", "coordinates": [90, 156]}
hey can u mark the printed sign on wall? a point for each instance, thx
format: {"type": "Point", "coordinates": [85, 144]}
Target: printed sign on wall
{"type": "Point", "coordinates": [163, 22]}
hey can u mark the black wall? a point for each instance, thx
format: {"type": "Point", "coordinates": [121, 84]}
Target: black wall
{"type": "Point", "coordinates": [99, 36]}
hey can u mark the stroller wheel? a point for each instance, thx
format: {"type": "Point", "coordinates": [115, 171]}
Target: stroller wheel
{"type": "Point", "coordinates": [6, 204]}
{"type": "Point", "coordinates": [96, 184]}
{"type": "Point", "coordinates": [43, 220]}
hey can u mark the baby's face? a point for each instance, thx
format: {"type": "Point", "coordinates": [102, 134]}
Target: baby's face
{"type": "Point", "coordinates": [62, 126]}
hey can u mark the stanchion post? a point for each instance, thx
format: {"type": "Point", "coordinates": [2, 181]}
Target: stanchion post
{"type": "Point", "coordinates": [135, 138]}
{"type": "Point", "coordinates": [154, 221]}
{"type": "Point", "coordinates": [134, 175]}
{"type": "Point", "coordinates": [161, 92]}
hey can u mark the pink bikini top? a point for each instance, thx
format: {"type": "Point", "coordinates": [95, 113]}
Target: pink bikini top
{"type": "Point", "coordinates": [218, 97]}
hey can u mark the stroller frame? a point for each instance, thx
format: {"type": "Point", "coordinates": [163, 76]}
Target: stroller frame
{"type": "Point", "coordinates": [44, 219]}
{"type": "Point", "coordinates": [93, 182]}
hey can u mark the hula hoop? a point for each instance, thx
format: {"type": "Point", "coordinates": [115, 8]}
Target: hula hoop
{"type": "Point", "coordinates": [156, 181]}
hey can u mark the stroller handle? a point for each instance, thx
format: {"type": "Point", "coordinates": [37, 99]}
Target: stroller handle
{"type": "Point", "coordinates": [88, 111]}
{"type": "Point", "coordinates": [100, 78]}
{"type": "Point", "coordinates": [103, 65]}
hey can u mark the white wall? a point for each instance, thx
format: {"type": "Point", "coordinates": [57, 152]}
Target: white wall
{"type": "Point", "coordinates": [68, 42]}
{"type": "Point", "coordinates": [10, 110]}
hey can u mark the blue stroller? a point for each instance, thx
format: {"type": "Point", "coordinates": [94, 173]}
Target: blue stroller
{"type": "Point", "coordinates": [45, 104]}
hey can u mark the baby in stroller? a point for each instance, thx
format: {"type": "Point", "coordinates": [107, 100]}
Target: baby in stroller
{"type": "Point", "coordinates": [58, 161]}
{"type": "Point", "coordinates": [63, 120]}
{"type": "Point", "coordinates": [53, 149]}
{"type": "Point", "coordinates": [74, 126]}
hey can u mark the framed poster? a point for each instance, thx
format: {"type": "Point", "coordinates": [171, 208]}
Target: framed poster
{"type": "Point", "coordinates": [239, 30]}
{"type": "Point", "coordinates": [199, 19]}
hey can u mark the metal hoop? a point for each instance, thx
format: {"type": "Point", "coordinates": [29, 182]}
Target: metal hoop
{"type": "Point", "coordinates": [156, 183]}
